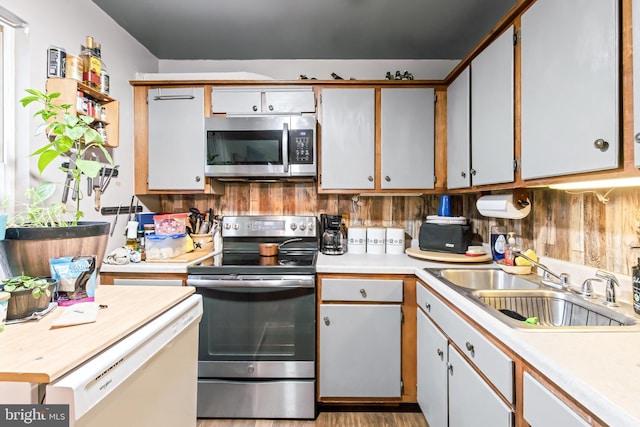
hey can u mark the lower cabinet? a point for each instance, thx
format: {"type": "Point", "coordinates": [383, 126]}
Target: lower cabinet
{"type": "Point", "coordinates": [451, 390]}
{"type": "Point", "coordinates": [543, 408]}
{"type": "Point", "coordinates": [360, 351]}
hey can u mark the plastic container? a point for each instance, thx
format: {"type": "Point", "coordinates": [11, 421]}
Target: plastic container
{"type": "Point", "coordinates": [498, 242]}
{"type": "Point", "coordinates": [162, 246]}
{"type": "Point", "coordinates": [170, 224]}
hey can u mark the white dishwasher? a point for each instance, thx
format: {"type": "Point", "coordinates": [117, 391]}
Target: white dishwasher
{"type": "Point", "coordinates": [149, 378]}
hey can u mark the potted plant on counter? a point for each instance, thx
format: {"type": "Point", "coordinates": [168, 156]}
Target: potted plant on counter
{"type": "Point", "coordinates": [28, 295]}
{"type": "Point", "coordinates": [46, 229]}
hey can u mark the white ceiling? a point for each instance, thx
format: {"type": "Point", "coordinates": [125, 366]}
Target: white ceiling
{"type": "Point", "coordinates": [307, 29]}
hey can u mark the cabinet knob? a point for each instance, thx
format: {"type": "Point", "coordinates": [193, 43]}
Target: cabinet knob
{"type": "Point", "coordinates": [463, 174]}
{"type": "Point", "coordinates": [370, 178]}
{"type": "Point", "coordinates": [270, 107]}
{"type": "Point", "coordinates": [250, 369]}
{"type": "Point", "coordinates": [601, 144]}
{"type": "Point", "coordinates": [450, 368]}
{"type": "Point", "coordinates": [472, 172]}
{"type": "Point", "coordinates": [387, 178]}
{"type": "Point", "coordinates": [427, 306]}
{"type": "Point", "coordinates": [255, 108]}
{"type": "Point", "coordinates": [198, 178]}
{"type": "Point", "coordinates": [637, 138]}
{"type": "Point", "coordinates": [363, 292]}
{"type": "Point", "coordinates": [470, 348]}
{"type": "Point", "coordinates": [327, 321]}
{"type": "Point", "coordinates": [441, 354]}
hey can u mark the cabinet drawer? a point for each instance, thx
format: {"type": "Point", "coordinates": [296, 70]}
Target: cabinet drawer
{"type": "Point", "coordinates": [364, 290]}
{"type": "Point", "coordinates": [431, 305]}
{"type": "Point", "coordinates": [543, 408]}
{"type": "Point", "coordinates": [493, 363]}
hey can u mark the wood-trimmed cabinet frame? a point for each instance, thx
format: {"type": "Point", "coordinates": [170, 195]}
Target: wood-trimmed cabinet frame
{"type": "Point", "coordinates": [520, 367]}
{"type": "Point", "coordinates": [408, 339]}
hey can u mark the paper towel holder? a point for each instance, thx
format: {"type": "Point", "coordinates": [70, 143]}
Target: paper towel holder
{"type": "Point", "coordinates": [520, 198]}
{"type": "Point", "coordinates": [514, 205]}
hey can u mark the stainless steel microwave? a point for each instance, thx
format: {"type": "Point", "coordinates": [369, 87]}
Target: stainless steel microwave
{"type": "Point", "coordinates": [266, 147]}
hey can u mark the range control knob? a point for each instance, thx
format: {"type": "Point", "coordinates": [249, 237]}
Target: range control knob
{"type": "Point", "coordinates": [236, 226]}
{"type": "Point", "coordinates": [294, 226]}
{"type": "Point", "coordinates": [303, 227]}
{"type": "Point", "coordinates": [311, 226]}
{"type": "Point", "coordinates": [227, 226]}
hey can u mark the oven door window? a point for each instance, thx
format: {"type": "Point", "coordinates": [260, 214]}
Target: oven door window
{"type": "Point", "coordinates": [257, 324]}
{"type": "Point", "coordinates": [259, 147]}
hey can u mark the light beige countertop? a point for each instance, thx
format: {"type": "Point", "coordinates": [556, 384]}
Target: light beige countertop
{"type": "Point", "coordinates": [155, 267]}
{"type": "Point", "coordinates": [601, 370]}
{"type": "Point", "coordinates": [33, 352]}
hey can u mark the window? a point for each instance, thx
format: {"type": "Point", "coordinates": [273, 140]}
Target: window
{"type": "Point", "coordinates": [13, 33]}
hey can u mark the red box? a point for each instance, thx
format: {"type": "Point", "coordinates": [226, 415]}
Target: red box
{"type": "Point", "coordinates": [170, 224]}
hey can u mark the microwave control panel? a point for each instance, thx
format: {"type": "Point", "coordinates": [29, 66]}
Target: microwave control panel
{"type": "Point", "coordinates": [301, 146]}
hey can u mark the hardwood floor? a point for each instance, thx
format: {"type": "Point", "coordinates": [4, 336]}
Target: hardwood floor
{"type": "Point", "coordinates": [374, 417]}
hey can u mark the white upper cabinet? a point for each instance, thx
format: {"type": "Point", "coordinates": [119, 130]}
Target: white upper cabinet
{"type": "Point", "coordinates": [459, 132]}
{"type": "Point", "coordinates": [251, 100]}
{"type": "Point", "coordinates": [635, 10]}
{"type": "Point", "coordinates": [176, 139]}
{"type": "Point", "coordinates": [492, 124]}
{"type": "Point", "coordinates": [570, 72]}
{"type": "Point", "coordinates": [407, 138]}
{"type": "Point", "coordinates": [347, 125]}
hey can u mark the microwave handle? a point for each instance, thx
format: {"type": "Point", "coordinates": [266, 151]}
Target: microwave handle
{"type": "Point", "coordinates": [285, 147]}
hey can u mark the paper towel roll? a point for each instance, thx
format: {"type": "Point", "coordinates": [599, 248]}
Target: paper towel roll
{"type": "Point", "coordinates": [501, 206]}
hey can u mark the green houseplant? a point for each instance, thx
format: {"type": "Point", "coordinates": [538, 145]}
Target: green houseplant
{"type": "Point", "coordinates": [43, 229]}
{"type": "Point", "coordinates": [28, 295]}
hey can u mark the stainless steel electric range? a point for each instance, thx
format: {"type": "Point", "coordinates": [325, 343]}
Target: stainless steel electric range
{"type": "Point", "coordinates": [258, 333]}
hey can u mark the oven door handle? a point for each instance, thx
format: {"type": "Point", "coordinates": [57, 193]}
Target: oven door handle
{"type": "Point", "coordinates": [251, 283]}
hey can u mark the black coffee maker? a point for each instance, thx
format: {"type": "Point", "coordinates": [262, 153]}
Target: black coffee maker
{"type": "Point", "coordinates": [332, 235]}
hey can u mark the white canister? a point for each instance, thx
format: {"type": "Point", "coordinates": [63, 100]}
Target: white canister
{"type": "Point", "coordinates": [357, 240]}
{"type": "Point", "coordinates": [375, 240]}
{"type": "Point", "coordinates": [395, 241]}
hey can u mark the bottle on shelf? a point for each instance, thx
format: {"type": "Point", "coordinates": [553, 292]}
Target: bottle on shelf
{"type": "Point", "coordinates": [104, 75]}
{"type": "Point", "coordinates": [90, 64]}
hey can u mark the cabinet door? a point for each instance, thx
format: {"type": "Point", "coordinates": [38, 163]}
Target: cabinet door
{"type": "Point", "coordinates": [635, 13]}
{"type": "Point", "coordinates": [471, 401]}
{"type": "Point", "coordinates": [236, 100]}
{"type": "Point", "coordinates": [432, 372]}
{"type": "Point", "coordinates": [569, 87]}
{"type": "Point", "coordinates": [289, 101]}
{"type": "Point", "coordinates": [492, 126]}
{"type": "Point", "coordinates": [459, 132]}
{"type": "Point", "coordinates": [407, 131]}
{"type": "Point", "coordinates": [542, 408]}
{"type": "Point", "coordinates": [348, 139]}
{"type": "Point", "coordinates": [176, 139]}
{"type": "Point", "coordinates": [360, 350]}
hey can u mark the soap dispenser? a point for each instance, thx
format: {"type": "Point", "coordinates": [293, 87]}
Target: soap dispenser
{"type": "Point", "coordinates": [509, 257]}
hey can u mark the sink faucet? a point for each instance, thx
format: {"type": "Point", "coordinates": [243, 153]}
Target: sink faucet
{"type": "Point", "coordinates": [563, 278]}
{"type": "Point", "coordinates": [610, 290]}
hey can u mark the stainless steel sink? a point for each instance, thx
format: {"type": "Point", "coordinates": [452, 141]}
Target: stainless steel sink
{"type": "Point", "coordinates": [553, 309]}
{"type": "Point", "coordinates": [485, 278]}
{"type": "Point", "coordinates": [513, 298]}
